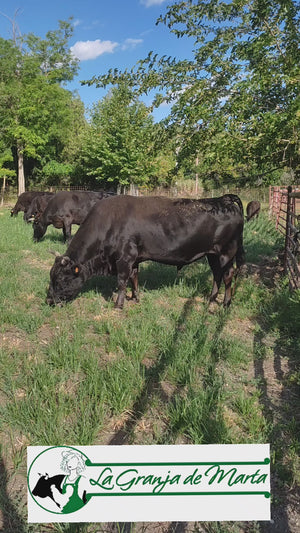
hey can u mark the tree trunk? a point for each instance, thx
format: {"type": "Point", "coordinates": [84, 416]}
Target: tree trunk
{"type": "Point", "coordinates": [3, 191]}
{"type": "Point", "coordinates": [21, 176]}
{"type": "Point", "coordinates": [196, 175]}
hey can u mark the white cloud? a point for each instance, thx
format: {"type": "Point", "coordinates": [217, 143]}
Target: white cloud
{"type": "Point", "coordinates": [131, 43]}
{"type": "Point", "coordinates": [149, 3]}
{"type": "Point", "coordinates": [85, 50]}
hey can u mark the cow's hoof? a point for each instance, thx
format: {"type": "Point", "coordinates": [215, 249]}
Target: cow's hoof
{"type": "Point", "coordinates": [118, 307]}
{"type": "Point", "coordinates": [134, 299]}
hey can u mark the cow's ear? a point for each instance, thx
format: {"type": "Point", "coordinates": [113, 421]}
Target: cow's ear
{"type": "Point", "coordinates": [65, 260]}
{"type": "Point", "coordinates": [56, 254]}
{"type": "Point", "coordinates": [76, 270]}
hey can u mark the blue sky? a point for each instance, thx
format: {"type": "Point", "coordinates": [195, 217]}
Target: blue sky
{"type": "Point", "coordinates": [108, 34]}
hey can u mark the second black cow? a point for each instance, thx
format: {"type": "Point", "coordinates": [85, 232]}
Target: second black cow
{"type": "Point", "coordinates": [63, 210]}
{"type": "Point", "coordinates": [252, 209]}
{"type": "Point", "coordinates": [37, 206]}
{"type": "Point", "coordinates": [23, 202]}
{"type": "Point", "coordinates": [121, 232]}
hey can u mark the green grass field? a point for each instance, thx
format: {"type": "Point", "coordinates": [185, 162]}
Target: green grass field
{"type": "Point", "coordinates": [171, 369]}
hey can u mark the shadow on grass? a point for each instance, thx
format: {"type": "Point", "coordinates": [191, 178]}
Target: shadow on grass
{"type": "Point", "coordinates": [261, 239]}
{"type": "Point", "coordinates": [53, 238]}
{"type": "Point", "coordinates": [198, 413]}
{"type": "Point", "coordinates": [11, 521]}
{"type": "Point", "coordinates": [154, 276]}
{"type": "Point", "coordinates": [154, 374]}
{"type": "Point", "coordinates": [152, 378]}
{"type": "Point", "coordinates": [214, 424]}
{"type": "Point", "coordinates": [280, 402]}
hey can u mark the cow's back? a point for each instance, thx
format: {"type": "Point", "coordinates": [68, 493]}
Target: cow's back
{"type": "Point", "coordinates": [155, 223]}
{"type": "Point", "coordinates": [123, 210]}
{"type": "Point", "coordinates": [24, 200]}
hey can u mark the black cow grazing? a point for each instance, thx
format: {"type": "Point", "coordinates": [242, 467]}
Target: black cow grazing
{"type": "Point", "coordinates": [252, 209]}
{"type": "Point", "coordinates": [24, 201]}
{"type": "Point", "coordinates": [123, 231]}
{"type": "Point", "coordinates": [37, 206]}
{"type": "Point", "coordinates": [63, 210]}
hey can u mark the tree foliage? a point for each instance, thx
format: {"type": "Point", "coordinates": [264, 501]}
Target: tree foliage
{"type": "Point", "coordinates": [235, 102]}
{"type": "Point", "coordinates": [118, 147]}
{"type": "Point", "coordinates": [36, 110]}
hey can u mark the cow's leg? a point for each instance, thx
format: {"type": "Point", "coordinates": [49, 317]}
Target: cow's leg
{"type": "Point", "coordinates": [67, 231]}
{"type": "Point", "coordinates": [126, 271]}
{"type": "Point", "coordinates": [214, 264]}
{"type": "Point", "coordinates": [124, 274]}
{"type": "Point", "coordinates": [135, 284]}
{"type": "Point", "coordinates": [228, 273]}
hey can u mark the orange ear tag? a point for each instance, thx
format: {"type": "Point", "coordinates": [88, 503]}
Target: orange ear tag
{"type": "Point", "coordinates": [76, 270]}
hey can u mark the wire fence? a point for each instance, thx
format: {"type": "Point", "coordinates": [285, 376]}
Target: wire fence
{"type": "Point", "coordinates": [284, 207]}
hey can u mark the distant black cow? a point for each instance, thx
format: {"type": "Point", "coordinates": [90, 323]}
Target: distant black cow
{"type": "Point", "coordinates": [43, 486]}
{"type": "Point", "coordinates": [123, 231]}
{"type": "Point", "coordinates": [252, 209]}
{"type": "Point", "coordinates": [63, 210]}
{"type": "Point", "coordinates": [38, 205]}
{"type": "Point", "coordinates": [24, 201]}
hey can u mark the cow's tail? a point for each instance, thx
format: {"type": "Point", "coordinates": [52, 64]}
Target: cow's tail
{"type": "Point", "coordinates": [240, 254]}
{"type": "Point", "coordinates": [236, 199]}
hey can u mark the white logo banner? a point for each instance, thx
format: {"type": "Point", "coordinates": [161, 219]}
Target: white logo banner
{"type": "Point", "coordinates": [148, 483]}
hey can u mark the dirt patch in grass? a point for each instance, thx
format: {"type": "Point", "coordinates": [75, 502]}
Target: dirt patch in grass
{"type": "Point", "coordinates": [36, 262]}
{"type": "Point", "coordinates": [71, 385]}
{"type": "Point", "coordinates": [13, 486]}
{"type": "Point", "coordinates": [149, 427]}
{"type": "Point", "coordinates": [111, 427]}
{"type": "Point", "coordinates": [167, 390]}
{"type": "Point", "coordinates": [268, 270]}
{"type": "Point", "coordinates": [235, 326]}
{"type": "Point", "coordinates": [45, 334]}
{"type": "Point", "coordinates": [15, 339]}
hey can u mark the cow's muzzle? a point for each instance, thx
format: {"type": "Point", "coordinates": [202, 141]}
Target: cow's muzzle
{"type": "Point", "coordinates": [50, 301]}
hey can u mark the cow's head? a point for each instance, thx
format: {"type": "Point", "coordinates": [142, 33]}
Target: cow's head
{"type": "Point", "coordinates": [39, 229]}
{"type": "Point", "coordinates": [66, 280]}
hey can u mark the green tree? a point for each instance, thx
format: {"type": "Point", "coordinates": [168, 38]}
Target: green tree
{"type": "Point", "coordinates": [61, 128]}
{"type": "Point", "coordinates": [236, 101]}
{"type": "Point", "coordinates": [118, 147]}
{"type": "Point", "coordinates": [31, 98]}
{"type": "Point", "coordinates": [6, 172]}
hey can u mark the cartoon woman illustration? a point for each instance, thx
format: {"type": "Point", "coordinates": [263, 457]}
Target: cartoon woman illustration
{"type": "Point", "coordinates": [72, 495]}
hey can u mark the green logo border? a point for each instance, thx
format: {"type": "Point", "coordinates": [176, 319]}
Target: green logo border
{"type": "Point", "coordinates": [45, 451]}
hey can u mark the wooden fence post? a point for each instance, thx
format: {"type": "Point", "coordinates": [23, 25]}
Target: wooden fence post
{"type": "Point", "coordinates": [287, 227]}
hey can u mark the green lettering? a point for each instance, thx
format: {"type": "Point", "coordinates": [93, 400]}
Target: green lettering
{"type": "Point", "coordinates": [126, 484]}
{"type": "Point", "coordinates": [239, 479]}
{"type": "Point", "coordinates": [197, 479]}
{"type": "Point", "coordinates": [190, 479]}
{"type": "Point", "coordinates": [262, 478]}
{"type": "Point", "coordinates": [162, 483]}
{"type": "Point", "coordinates": [219, 472]}
{"type": "Point", "coordinates": [106, 481]}
{"type": "Point", "coordinates": [252, 477]}
{"type": "Point", "coordinates": [148, 480]}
